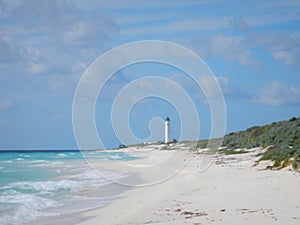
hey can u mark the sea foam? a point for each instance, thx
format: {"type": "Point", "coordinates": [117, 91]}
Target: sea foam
{"type": "Point", "coordinates": [38, 185]}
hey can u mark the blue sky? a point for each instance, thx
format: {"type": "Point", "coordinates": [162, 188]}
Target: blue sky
{"type": "Point", "coordinates": [252, 47]}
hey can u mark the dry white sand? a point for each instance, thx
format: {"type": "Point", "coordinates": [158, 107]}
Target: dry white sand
{"type": "Point", "coordinates": [231, 191]}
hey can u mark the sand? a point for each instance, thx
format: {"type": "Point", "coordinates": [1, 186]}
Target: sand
{"type": "Point", "coordinates": [213, 189]}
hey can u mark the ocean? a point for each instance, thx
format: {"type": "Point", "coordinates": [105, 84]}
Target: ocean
{"type": "Point", "coordinates": [41, 186]}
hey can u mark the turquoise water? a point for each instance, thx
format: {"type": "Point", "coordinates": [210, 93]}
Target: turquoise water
{"type": "Point", "coordinates": [35, 185]}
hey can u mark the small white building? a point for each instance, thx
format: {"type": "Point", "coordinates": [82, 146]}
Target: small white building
{"type": "Point", "coordinates": [167, 130]}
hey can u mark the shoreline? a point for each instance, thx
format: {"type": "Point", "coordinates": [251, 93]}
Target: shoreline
{"type": "Point", "coordinates": [111, 191]}
{"type": "Point", "coordinates": [230, 191]}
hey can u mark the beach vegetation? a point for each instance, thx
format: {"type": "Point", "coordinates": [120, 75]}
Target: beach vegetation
{"type": "Point", "coordinates": [201, 144]}
{"type": "Point", "coordinates": [283, 136]}
{"type": "Point", "coordinates": [232, 151]}
{"type": "Point", "coordinates": [165, 148]}
{"type": "Point", "coordinates": [122, 146]}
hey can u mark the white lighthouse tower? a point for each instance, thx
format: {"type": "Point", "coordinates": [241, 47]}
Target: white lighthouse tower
{"type": "Point", "coordinates": [167, 130]}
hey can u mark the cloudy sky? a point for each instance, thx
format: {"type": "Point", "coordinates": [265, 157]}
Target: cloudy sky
{"type": "Point", "coordinates": [253, 48]}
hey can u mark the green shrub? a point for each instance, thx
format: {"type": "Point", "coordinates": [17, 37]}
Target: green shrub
{"type": "Point", "coordinates": [284, 135]}
{"type": "Point", "coordinates": [232, 151]}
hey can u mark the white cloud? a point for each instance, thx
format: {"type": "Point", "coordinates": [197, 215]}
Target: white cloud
{"type": "Point", "coordinates": [2, 7]}
{"type": "Point", "coordinates": [46, 42]}
{"type": "Point", "coordinates": [5, 105]}
{"type": "Point", "coordinates": [239, 24]}
{"type": "Point", "coordinates": [141, 17]}
{"type": "Point", "coordinates": [59, 21]}
{"type": "Point", "coordinates": [182, 26]}
{"type": "Point", "coordinates": [57, 83]}
{"type": "Point", "coordinates": [209, 84]}
{"type": "Point", "coordinates": [231, 48]}
{"type": "Point", "coordinates": [137, 4]}
{"type": "Point", "coordinates": [224, 84]}
{"type": "Point", "coordinates": [58, 117]}
{"type": "Point", "coordinates": [46, 14]}
{"type": "Point", "coordinates": [284, 47]}
{"type": "Point", "coordinates": [287, 56]}
{"type": "Point", "coordinates": [94, 30]}
{"type": "Point", "coordinates": [46, 27]}
{"type": "Point", "coordinates": [9, 52]}
{"type": "Point", "coordinates": [276, 93]}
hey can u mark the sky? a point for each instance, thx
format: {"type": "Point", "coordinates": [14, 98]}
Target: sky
{"type": "Point", "coordinates": [252, 47]}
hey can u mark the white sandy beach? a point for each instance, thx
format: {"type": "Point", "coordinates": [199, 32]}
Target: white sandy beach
{"type": "Point", "coordinates": [230, 191]}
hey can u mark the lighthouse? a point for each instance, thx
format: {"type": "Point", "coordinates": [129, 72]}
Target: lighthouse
{"type": "Point", "coordinates": [167, 130]}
